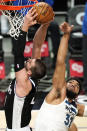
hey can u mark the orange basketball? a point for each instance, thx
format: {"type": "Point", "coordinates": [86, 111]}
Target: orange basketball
{"type": "Point", "coordinates": [45, 12]}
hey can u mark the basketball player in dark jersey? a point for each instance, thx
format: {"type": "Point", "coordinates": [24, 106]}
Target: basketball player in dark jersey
{"type": "Point", "coordinates": [22, 90]}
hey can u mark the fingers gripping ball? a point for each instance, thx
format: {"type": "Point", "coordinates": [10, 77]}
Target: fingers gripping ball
{"type": "Point", "coordinates": [45, 12]}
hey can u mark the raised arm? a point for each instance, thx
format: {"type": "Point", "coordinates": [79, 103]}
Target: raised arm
{"type": "Point", "coordinates": [38, 40]}
{"type": "Point", "coordinates": [59, 73]}
{"type": "Point", "coordinates": [20, 71]}
{"type": "Point", "coordinates": [29, 20]}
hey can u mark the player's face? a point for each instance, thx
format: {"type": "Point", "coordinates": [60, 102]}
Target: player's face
{"type": "Point", "coordinates": [72, 89]}
{"type": "Point", "coordinates": [29, 63]}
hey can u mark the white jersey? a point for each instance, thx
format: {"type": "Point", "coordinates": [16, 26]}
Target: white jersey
{"type": "Point", "coordinates": [27, 128]}
{"type": "Point", "coordinates": [56, 117]}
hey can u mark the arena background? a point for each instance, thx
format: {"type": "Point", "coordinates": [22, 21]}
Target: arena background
{"type": "Point", "coordinates": [63, 11]}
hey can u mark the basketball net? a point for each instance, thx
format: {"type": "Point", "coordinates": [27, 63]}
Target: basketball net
{"type": "Point", "coordinates": [15, 10]}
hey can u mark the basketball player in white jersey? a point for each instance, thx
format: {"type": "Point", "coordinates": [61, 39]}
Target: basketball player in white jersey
{"type": "Point", "coordinates": [59, 107]}
{"type": "Point", "coordinates": [21, 91]}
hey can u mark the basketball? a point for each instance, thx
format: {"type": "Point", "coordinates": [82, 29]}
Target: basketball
{"type": "Point", "coordinates": [45, 12]}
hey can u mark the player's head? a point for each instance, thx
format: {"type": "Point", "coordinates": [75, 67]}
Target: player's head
{"type": "Point", "coordinates": [35, 68]}
{"type": "Point", "coordinates": [73, 87]}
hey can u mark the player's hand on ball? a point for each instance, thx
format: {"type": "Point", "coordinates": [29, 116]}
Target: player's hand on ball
{"type": "Point", "coordinates": [45, 12]}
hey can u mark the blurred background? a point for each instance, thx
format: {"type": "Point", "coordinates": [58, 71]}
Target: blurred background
{"type": "Point", "coordinates": [71, 11]}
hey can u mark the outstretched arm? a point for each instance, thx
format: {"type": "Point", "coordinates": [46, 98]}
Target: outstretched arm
{"type": "Point", "coordinates": [20, 71]}
{"type": "Point", "coordinates": [38, 40]}
{"type": "Point", "coordinates": [19, 44]}
{"type": "Point", "coordinates": [59, 73]}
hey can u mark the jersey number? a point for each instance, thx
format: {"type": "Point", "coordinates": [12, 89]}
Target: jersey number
{"type": "Point", "coordinates": [68, 120]}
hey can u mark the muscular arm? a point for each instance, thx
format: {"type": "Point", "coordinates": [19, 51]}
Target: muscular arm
{"type": "Point", "coordinates": [59, 74]}
{"type": "Point", "coordinates": [21, 74]}
{"type": "Point", "coordinates": [58, 90]}
{"type": "Point", "coordinates": [81, 109]}
{"type": "Point", "coordinates": [39, 40]}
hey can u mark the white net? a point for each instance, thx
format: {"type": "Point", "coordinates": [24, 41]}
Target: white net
{"type": "Point", "coordinates": [15, 15]}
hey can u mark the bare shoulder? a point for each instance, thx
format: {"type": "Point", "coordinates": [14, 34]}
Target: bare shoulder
{"type": "Point", "coordinates": [55, 96]}
{"type": "Point", "coordinates": [80, 108]}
